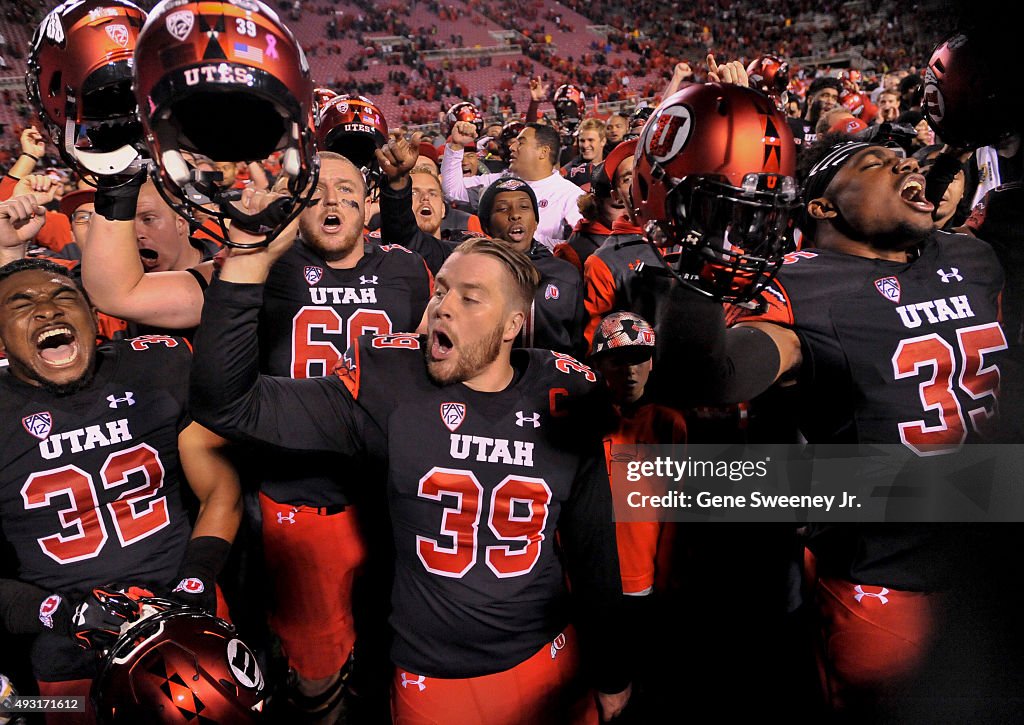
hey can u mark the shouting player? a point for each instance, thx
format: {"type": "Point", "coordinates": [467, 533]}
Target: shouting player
{"type": "Point", "coordinates": [487, 456]}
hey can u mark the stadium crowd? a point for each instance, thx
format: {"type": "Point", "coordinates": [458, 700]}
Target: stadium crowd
{"type": "Point", "coordinates": [310, 412]}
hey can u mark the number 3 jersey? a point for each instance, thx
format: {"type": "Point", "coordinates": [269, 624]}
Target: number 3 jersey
{"type": "Point", "coordinates": [311, 314]}
{"type": "Point", "coordinates": [90, 481]}
{"type": "Point", "coordinates": [894, 352]}
{"type": "Point", "coordinates": [477, 484]}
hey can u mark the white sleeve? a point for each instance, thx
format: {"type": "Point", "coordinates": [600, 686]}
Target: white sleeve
{"type": "Point", "coordinates": [454, 185]}
{"type": "Point", "coordinates": [572, 209]}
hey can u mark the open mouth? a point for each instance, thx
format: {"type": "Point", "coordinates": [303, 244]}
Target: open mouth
{"type": "Point", "coordinates": [331, 223]}
{"type": "Point", "coordinates": [426, 211]}
{"type": "Point", "coordinates": [149, 257]}
{"type": "Point", "coordinates": [912, 192]}
{"type": "Point", "coordinates": [441, 345]}
{"type": "Point", "coordinates": [516, 232]}
{"type": "Point", "coordinates": [57, 346]}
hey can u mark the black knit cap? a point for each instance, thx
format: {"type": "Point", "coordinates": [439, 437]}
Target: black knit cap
{"type": "Point", "coordinates": [509, 183]}
{"type": "Point", "coordinates": [824, 82]}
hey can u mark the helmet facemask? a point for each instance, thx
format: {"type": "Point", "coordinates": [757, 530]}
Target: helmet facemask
{"type": "Point", "coordinates": [729, 241]}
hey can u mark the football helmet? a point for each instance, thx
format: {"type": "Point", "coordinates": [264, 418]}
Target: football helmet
{"type": "Point", "coordinates": [639, 117]}
{"type": "Point", "coordinates": [179, 665]}
{"type": "Point", "coordinates": [321, 97]}
{"type": "Point", "coordinates": [623, 330]}
{"type": "Point", "coordinates": [226, 80]}
{"type": "Point", "coordinates": [79, 79]}
{"type": "Point", "coordinates": [354, 127]}
{"type": "Point", "coordinates": [714, 176]}
{"type": "Point", "coordinates": [569, 104]}
{"type": "Point", "coordinates": [509, 131]}
{"type": "Point", "coordinates": [770, 75]}
{"type": "Point", "coordinates": [860, 105]}
{"type": "Point", "coordinates": [963, 100]}
{"type": "Point", "coordinates": [462, 111]}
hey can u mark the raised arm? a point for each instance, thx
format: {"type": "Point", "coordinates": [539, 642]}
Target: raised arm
{"type": "Point", "coordinates": [228, 394]}
{"type": "Point", "coordinates": [724, 365]}
{"type": "Point", "coordinates": [112, 270]}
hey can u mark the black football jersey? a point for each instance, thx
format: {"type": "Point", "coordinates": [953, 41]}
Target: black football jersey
{"type": "Point", "coordinates": [90, 482]}
{"type": "Point", "coordinates": [311, 314]}
{"type": "Point", "coordinates": [477, 484]}
{"type": "Point", "coordinates": [898, 353]}
{"type": "Point", "coordinates": [894, 352]}
{"type": "Point", "coordinates": [478, 585]}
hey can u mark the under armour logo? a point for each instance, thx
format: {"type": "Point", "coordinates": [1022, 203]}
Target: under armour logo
{"type": "Point", "coordinates": [418, 681]}
{"type": "Point", "coordinates": [522, 419]}
{"type": "Point", "coordinates": [128, 398]}
{"type": "Point", "coordinates": [289, 519]}
{"type": "Point", "coordinates": [880, 596]}
{"type": "Point", "coordinates": [78, 618]}
{"type": "Point", "coordinates": [955, 274]}
{"type": "Point", "coordinates": [367, 280]}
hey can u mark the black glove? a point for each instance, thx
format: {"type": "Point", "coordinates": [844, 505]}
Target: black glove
{"type": "Point", "coordinates": [118, 196]}
{"type": "Point", "coordinates": [97, 619]}
{"type": "Point", "coordinates": [196, 583]}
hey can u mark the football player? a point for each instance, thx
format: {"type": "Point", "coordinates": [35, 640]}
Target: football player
{"type": "Point", "coordinates": [889, 328]}
{"type": "Point", "coordinates": [95, 451]}
{"type": "Point", "coordinates": [488, 452]}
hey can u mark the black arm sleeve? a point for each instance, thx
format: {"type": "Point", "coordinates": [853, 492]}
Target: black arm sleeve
{"type": "Point", "coordinates": [398, 226]}
{"type": "Point", "coordinates": [587, 535]}
{"type": "Point", "coordinates": [940, 175]}
{"type": "Point", "coordinates": [700, 361]}
{"type": "Point", "coordinates": [19, 609]}
{"type": "Point", "coordinates": [230, 397]}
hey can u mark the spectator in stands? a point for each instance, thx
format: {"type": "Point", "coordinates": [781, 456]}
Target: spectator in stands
{"type": "Point", "coordinates": [534, 155]}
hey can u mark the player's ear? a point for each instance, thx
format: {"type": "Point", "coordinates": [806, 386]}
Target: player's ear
{"type": "Point", "coordinates": [513, 325]}
{"type": "Point", "coordinates": [821, 208]}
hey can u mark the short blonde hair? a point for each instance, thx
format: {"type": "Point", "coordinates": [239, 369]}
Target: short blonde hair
{"type": "Point", "coordinates": [593, 124]}
{"type": "Point", "coordinates": [523, 272]}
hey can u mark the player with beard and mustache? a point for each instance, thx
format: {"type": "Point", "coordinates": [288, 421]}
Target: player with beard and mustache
{"type": "Point", "coordinates": [891, 331]}
{"type": "Point", "coordinates": [470, 431]}
{"type": "Point", "coordinates": [321, 295]}
{"type": "Point", "coordinates": [94, 449]}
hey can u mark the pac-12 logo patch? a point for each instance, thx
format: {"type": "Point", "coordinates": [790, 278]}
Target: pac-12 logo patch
{"type": "Point", "coordinates": [38, 424]}
{"type": "Point", "coordinates": [312, 274]}
{"type": "Point", "coordinates": [452, 415]}
{"type": "Point", "coordinates": [179, 24]}
{"type": "Point", "coordinates": [889, 288]}
{"type": "Point", "coordinates": [118, 33]}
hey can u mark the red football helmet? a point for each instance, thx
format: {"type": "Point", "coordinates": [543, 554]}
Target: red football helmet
{"type": "Point", "coordinates": [570, 103]}
{"type": "Point", "coordinates": [509, 131]}
{"type": "Point", "coordinates": [962, 99]}
{"type": "Point", "coordinates": [860, 105]}
{"type": "Point", "coordinates": [714, 174]}
{"type": "Point", "coordinates": [354, 127]}
{"type": "Point", "coordinates": [226, 80]}
{"type": "Point", "coordinates": [79, 79]}
{"type": "Point", "coordinates": [770, 75]}
{"type": "Point", "coordinates": [321, 97]}
{"type": "Point", "coordinates": [463, 111]}
{"type": "Point", "coordinates": [179, 665]}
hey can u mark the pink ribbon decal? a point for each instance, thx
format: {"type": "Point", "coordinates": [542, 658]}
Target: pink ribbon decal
{"type": "Point", "coordinates": [271, 46]}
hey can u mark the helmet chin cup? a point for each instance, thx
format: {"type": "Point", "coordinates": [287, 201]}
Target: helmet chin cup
{"type": "Point", "coordinates": [109, 163]}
